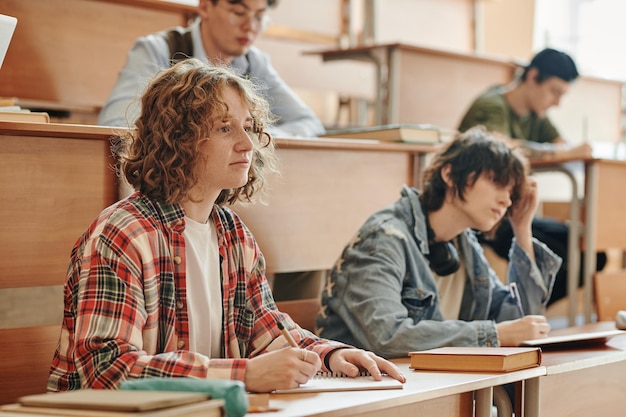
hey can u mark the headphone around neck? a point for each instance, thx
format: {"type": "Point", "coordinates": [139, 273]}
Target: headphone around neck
{"type": "Point", "coordinates": [443, 256]}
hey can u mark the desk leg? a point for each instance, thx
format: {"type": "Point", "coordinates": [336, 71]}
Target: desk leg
{"type": "Point", "coordinates": [484, 402]}
{"type": "Point", "coordinates": [591, 198]}
{"type": "Point", "coordinates": [573, 247]}
{"type": "Point", "coordinates": [531, 397]}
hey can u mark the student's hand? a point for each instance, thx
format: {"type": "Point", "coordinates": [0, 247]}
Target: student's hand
{"type": "Point", "coordinates": [565, 150]}
{"type": "Point", "coordinates": [281, 369]}
{"type": "Point", "coordinates": [521, 216]}
{"type": "Point", "coordinates": [352, 361]}
{"type": "Point", "coordinates": [514, 332]}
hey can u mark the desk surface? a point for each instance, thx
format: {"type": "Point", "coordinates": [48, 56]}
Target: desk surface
{"type": "Point", "coordinates": [558, 368]}
{"type": "Point", "coordinates": [420, 387]}
{"type": "Point", "coordinates": [567, 360]}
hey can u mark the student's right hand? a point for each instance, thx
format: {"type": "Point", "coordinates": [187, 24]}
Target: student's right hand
{"type": "Point", "coordinates": [514, 332]}
{"type": "Point", "coordinates": [281, 369]}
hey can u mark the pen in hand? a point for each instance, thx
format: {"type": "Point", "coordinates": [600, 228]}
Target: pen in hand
{"type": "Point", "coordinates": [286, 334]}
{"type": "Point", "coordinates": [515, 295]}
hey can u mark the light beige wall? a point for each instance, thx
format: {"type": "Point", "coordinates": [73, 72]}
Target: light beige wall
{"type": "Point", "coordinates": [508, 27]}
{"type": "Point", "coordinates": [444, 24]}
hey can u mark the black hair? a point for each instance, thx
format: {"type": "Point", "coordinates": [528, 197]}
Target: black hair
{"type": "Point", "coordinates": [552, 63]}
{"type": "Point", "coordinates": [469, 155]}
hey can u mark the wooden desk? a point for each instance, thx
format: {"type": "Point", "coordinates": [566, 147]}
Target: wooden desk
{"type": "Point", "coordinates": [424, 394]}
{"type": "Point", "coordinates": [584, 382]}
{"type": "Point", "coordinates": [604, 226]}
{"type": "Point", "coordinates": [54, 179]}
{"type": "Point", "coordinates": [326, 190]}
{"type": "Point", "coordinates": [423, 85]}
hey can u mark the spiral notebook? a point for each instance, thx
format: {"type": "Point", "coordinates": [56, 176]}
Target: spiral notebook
{"type": "Point", "coordinates": [325, 382]}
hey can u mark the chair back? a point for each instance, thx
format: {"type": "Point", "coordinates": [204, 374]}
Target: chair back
{"type": "Point", "coordinates": [26, 354]}
{"type": "Point", "coordinates": [610, 294]}
{"type": "Point", "coordinates": [302, 311]}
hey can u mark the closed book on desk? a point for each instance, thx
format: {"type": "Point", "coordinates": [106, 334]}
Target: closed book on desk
{"type": "Point", "coordinates": [413, 133]}
{"type": "Point", "coordinates": [476, 359]}
{"type": "Point", "coordinates": [113, 403]}
{"type": "Point", "coordinates": [24, 116]}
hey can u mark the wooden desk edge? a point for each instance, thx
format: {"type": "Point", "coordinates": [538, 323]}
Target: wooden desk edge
{"type": "Point", "coordinates": [69, 131]}
{"type": "Point", "coordinates": [353, 144]}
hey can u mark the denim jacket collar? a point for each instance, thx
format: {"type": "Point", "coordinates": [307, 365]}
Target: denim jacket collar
{"type": "Point", "coordinates": [417, 218]}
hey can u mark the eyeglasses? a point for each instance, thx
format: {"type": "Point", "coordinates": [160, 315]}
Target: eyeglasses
{"type": "Point", "coordinates": [239, 14]}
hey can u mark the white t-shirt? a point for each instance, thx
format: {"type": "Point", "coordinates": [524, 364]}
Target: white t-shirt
{"type": "Point", "coordinates": [451, 289]}
{"type": "Point", "coordinates": [204, 289]}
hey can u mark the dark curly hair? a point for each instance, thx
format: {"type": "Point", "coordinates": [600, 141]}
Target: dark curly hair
{"type": "Point", "coordinates": [179, 106]}
{"type": "Point", "coordinates": [469, 155]}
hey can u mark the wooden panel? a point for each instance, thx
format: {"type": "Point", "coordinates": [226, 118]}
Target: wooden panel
{"type": "Point", "coordinates": [438, 88]}
{"type": "Point", "coordinates": [70, 51]}
{"type": "Point", "coordinates": [611, 200]}
{"type": "Point", "coordinates": [610, 294]}
{"type": "Point", "coordinates": [30, 351]}
{"type": "Point", "coordinates": [302, 312]}
{"type": "Point", "coordinates": [51, 188]}
{"type": "Point", "coordinates": [595, 391]}
{"type": "Point", "coordinates": [577, 120]}
{"type": "Point", "coordinates": [451, 406]}
{"type": "Point", "coordinates": [319, 202]}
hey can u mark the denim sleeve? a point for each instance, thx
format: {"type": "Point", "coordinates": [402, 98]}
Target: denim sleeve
{"type": "Point", "coordinates": [534, 279]}
{"type": "Point", "coordinates": [381, 296]}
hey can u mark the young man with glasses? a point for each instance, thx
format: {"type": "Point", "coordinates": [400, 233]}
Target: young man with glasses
{"type": "Point", "coordinates": [223, 34]}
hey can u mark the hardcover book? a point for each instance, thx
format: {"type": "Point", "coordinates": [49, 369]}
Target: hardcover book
{"type": "Point", "coordinates": [413, 133]}
{"type": "Point", "coordinates": [476, 359]}
{"type": "Point", "coordinates": [114, 403]}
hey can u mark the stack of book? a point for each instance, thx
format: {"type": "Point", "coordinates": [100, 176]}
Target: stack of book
{"type": "Point", "coordinates": [111, 403]}
{"type": "Point", "coordinates": [10, 111]}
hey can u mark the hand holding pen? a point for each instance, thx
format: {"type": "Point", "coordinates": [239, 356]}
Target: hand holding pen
{"type": "Point", "coordinates": [281, 369]}
{"type": "Point", "coordinates": [516, 297]}
{"type": "Point", "coordinates": [303, 352]}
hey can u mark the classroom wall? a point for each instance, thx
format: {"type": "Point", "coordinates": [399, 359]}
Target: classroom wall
{"type": "Point", "coordinates": [66, 53]}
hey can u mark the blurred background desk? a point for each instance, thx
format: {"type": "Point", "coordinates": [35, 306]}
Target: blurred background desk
{"type": "Point", "coordinates": [423, 85]}
{"type": "Point", "coordinates": [604, 224]}
{"type": "Point", "coordinates": [415, 84]}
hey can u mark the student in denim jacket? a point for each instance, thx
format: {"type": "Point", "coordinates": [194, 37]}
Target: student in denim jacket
{"type": "Point", "coordinates": [397, 288]}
